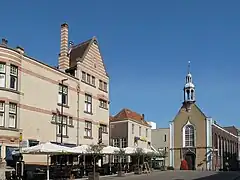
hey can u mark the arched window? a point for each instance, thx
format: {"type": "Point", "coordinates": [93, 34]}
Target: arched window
{"type": "Point", "coordinates": [189, 136]}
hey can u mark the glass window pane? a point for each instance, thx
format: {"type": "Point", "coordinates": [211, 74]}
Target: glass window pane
{"type": "Point", "coordinates": [2, 80]}
{"type": "Point", "coordinates": [2, 118]}
{"type": "Point", "coordinates": [2, 106]}
{"type": "Point", "coordinates": [2, 68]}
{"type": "Point", "coordinates": [13, 82]}
{"type": "Point", "coordinates": [12, 121]}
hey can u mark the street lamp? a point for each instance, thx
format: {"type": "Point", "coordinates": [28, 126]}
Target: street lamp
{"type": "Point", "coordinates": [62, 81]}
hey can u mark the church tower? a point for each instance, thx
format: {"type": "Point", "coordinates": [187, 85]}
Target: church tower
{"type": "Point", "coordinates": [189, 88]}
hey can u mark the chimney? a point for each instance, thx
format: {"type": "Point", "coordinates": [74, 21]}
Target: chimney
{"type": "Point", "coordinates": [63, 59]}
{"type": "Point", "coordinates": [4, 42]}
{"type": "Point", "coordinates": [143, 117]}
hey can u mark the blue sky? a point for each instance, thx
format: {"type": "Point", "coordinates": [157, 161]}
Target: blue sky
{"type": "Point", "coordinates": [146, 46]}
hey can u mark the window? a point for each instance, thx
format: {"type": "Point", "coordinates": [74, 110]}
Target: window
{"type": "Point", "coordinates": [100, 84]}
{"type": "Point", "coordinates": [12, 115]}
{"type": "Point", "coordinates": [88, 78]}
{"type": "Point", "coordinates": [189, 136]}
{"type": "Point", "coordinates": [146, 132]}
{"type": "Point", "coordinates": [124, 143]}
{"type": "Point", "coordinates": [63, 94]}
{"type": "Point", "coordinates": [2, 113]}
{"type": "Point", "coordinates": [140, 129]}
{"type": "Point", "coordinates": [32, 142]}
{"type": "Point", "coordinates": [116, 143]}
{"type": "Point", "coordinates": [83, 76]}
{"type": "Point", "coordinates": [104, 128]}
{"type": "Point", "coordinates": [64, 124]}
{"type": "Point", "coordinates": [2, 75]}
{"type": "Point", "coordinates": [88, 129]}
{"type": "Point", "coordinates": [103, 104]}
{"type": "Point", "coordinates": [105, 86]}
{"type": "Point", "coordinates": [70, 121]}
{"type": "Point", "coordinates": [132, 128]}
{"type": "Point", "coordinates": [13, 77]}
{"type": "Point", "coordinates": [88, 103]}
{"type": "Point", "coordinates": [165, 138]}
{"type": "Point", "coordinates": [93, 80]}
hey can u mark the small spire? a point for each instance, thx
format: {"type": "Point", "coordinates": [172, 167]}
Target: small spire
{"type": "Point", "coordinates": [189, 63]}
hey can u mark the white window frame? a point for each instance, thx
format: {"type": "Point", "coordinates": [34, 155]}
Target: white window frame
{"type": "Point", "coordinates": [3, 74]}
{"type": "Point", "coordinates": [65, 93]}
{"type": "Point", "coordinates": [88, 103]}
{"type": "Point", "coordinates": [104, 128]}
{"type": "Point", "coordinates": [65, 125]}
{"type": "Point", "coordinates": [101, 84]}
{"type": "Point", "coordinates": [88, 78]}
{"type": "Point", "coordinates": [183, 135]}
{"type": "Point", "coordinates": [133, 128]}
{"type": "Point", "coordinates": [140, 131]}
{"type": "Point", "coordinates": [13, 76]}
{"type": "Point", "coordinates": [70, 121]}
{"type": "Point", "coordinates": [103, 104]}
{"type": "Point", "coordinates": [88, 129]}
{"type": "Point", "coordinates": [93, 81]}
{"type": "Point", "coordinates": [84, 76]}
{"type": "Point", "coordinates": [13, 113]}
{"type": "Point", "coordinates": [2, 112]}
{"type": "Point", "coordinates": [105, 86]}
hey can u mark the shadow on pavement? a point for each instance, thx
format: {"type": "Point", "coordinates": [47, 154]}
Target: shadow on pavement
{"type": "Point", "coordinates": [221, 176]}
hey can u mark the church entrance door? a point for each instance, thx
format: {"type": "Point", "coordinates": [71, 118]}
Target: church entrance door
{"type": "Point", "coordinates": [190, 157]}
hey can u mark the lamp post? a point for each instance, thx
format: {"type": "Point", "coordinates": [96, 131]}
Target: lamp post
{"type": "Point", "coordinates": [62, 81]}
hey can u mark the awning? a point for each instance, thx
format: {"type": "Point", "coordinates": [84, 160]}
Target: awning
{"type": "Point", "coordinates": [65, 144]}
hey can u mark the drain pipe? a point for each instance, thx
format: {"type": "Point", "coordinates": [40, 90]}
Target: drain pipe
{"type": "Point", "coordinates": [78, 103]}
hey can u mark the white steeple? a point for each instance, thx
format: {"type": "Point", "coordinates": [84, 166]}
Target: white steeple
{"type": "Point", "coordinates": [189, 88]}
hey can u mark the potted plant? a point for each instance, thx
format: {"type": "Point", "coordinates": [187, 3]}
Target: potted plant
{"type": "Point", "coordinates": [121, 154]}
{"type": "Point", "coordinates": [138, 154]}
{"type": "Point", "coordinates": [95, 150]}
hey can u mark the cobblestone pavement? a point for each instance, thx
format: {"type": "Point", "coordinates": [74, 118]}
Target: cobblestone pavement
{"type": "Point", "coordinates": [180, 175]}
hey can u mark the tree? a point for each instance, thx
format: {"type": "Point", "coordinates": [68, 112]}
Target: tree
{"type": "Point", "coordinates": [120, 154]}
{"type": "Point", "coordinates": [138, 154]}
{"type": "Point", "coordinates": [96, 151]}
{"type": "Point", "coordinates": [162, 154]}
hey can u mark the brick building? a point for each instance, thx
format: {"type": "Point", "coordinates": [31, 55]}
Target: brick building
{"type": "Point", "coordinates": [198, 138]}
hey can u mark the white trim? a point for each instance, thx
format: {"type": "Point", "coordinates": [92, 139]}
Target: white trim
{"type": "Point", "coordinates": [209, 123]}
{"type": "Point", "coordinates": [183, 134]}
{"type": "Point", "coordinates": [171, 158]}
{"type": "Point", "coordinates": [217, 126]}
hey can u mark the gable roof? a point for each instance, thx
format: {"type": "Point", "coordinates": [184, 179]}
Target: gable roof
{"type": "Point", "coordinates": [184, 106]}
{"type": "Point", "coordinates": [127, 114]}
{"type": "Point", "coordinates": [79, 51]}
